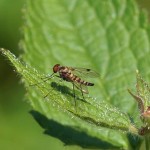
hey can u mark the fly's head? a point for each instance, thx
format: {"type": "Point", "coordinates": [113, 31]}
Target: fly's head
{"type": "Point", "coordinates": [56, 68]}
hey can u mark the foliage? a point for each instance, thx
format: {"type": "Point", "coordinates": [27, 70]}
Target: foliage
{"type": "Point", "coordinates": [109, 36]}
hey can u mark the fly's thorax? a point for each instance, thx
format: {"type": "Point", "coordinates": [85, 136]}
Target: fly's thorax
{"type": "Point", "coordinates": [64, 69]}
{"type": "Point", "coordinates": [64, 73]}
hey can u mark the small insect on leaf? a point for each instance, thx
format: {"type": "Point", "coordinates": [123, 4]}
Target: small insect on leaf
{"type": "Point", "coordinates": [74, 75]}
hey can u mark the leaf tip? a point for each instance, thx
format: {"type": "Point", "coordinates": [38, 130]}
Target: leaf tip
{"type": "Point", "coordinates": [4, 51]}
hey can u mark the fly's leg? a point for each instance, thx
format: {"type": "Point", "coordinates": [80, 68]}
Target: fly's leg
{"type": "Point", "coordinates": [74, 95]}
{"type": "Point", "coordinates": [82, 92]}
{"type": "Point", "coordinates": [51, 76]}
{"type": "Point", "coordinates": [44, 79]}
{"type": "Point", "coordinates": [39, 82]}
{"type": "Point", "coordinates": [47, 94]}
{"type": "Point", "coordinates": [50, 90]}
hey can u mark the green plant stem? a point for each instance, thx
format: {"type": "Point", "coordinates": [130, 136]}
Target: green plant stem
{"type": "Point", "coordinates": [147, 142]}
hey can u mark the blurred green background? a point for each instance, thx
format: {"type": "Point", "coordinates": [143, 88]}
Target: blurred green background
{"type": "Point", "coordinates": [18, 130]}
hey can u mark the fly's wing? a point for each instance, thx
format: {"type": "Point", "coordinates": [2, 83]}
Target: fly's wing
{"type": "Point", "coordinates": [83, 72]}
{"type": "Point", "coordinates": [81, 87]}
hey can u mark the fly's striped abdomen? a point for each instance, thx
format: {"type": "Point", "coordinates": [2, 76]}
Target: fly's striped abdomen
{"type": "Point", "coordinates": [77, 79]}
{"type": "Point", "coordinates": [88, 83]}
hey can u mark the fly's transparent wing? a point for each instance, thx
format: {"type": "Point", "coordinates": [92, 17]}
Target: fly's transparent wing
{"type": "Point", "coordinates": [83, 72]}
{"type": "Point", "coordinates": [81, 87]}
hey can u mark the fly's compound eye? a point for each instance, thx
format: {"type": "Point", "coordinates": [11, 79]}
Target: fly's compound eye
{"type": "Point", "coordinates": [56, 68]}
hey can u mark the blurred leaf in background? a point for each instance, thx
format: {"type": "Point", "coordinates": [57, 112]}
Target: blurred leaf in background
{"type": "Point", "coordinates": [17, 128]}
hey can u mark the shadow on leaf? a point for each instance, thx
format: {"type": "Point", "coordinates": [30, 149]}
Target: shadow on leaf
{"type": "Point", "coordinates": [66, 91]}
{"type": "Point", "coordinates": [68, 135]}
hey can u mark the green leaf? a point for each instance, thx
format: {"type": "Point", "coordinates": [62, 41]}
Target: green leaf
{"type": "Point", "coordinates": [88, 116]}
{"type": "Point", "coordinates": [110, 36]}
{"type": "Point", "coordinates": [142, 98]}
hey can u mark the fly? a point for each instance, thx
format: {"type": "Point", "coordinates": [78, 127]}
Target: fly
{"type": "Point", "coordinates": [74, 75]}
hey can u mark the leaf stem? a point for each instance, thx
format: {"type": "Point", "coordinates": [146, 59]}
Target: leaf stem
{"type": "Point", "coordinates": [147, 142]}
